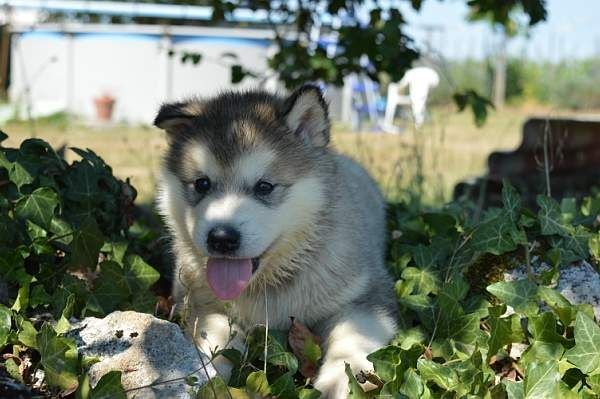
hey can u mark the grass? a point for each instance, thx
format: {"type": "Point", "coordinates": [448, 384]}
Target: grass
{"type": "Point", "coordinates": [425, 164]}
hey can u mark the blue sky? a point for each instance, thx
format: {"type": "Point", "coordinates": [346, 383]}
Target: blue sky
{"type": "Point", "coordinates": [572, 30]}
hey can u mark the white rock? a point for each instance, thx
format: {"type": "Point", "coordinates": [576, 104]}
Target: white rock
{"type": "Point", "coordinates": [579, 282]}
{"type": "Point", "coordinates": [147, 350]}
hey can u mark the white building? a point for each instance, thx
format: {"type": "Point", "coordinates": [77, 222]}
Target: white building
{"type": "Point", "coordinates": [64, 67]}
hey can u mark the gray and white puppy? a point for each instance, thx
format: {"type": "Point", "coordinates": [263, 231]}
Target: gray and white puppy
{"type": "Point", "coordinates": [262, 211]}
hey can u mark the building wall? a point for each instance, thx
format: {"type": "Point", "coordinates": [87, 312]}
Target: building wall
{"type": "Point", "coordinates": [56, 69]}
{"type": "Point", "coordinates": [39, 73]}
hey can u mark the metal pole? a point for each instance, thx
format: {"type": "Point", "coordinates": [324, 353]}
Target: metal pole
{"type": "Point", "coordinates": [5, 53]}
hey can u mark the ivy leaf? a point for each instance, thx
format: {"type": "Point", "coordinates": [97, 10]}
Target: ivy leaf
{"type": "Point", "coordinates": [109, 387]}
{"type": "Point", "coordinates": [586, 352]}
{"type": "Point", "coordinates": [457, 289]}
{"type": "Point", "coordinates": [511, 201]}
{"type": "Point", "coordinates": [514, 389]}
{"type": "Point", "coordinates": [551, 218]}
{"type": "Point", "coordinates": [22, 301]}
{"type": "Point", "coordinates": [27, 334]}
{"type": "Point", "coordinates": [542, 380]}
{"type": "Point", "coordinates": [284, 387]}
{"type": "Point", "coordinates": [13, 370]}
{"type": "Point", "coordinates": [38, 206]}
{"type": "Point", "coordinates": [356, 391]}
{"type": "Point", "coordinates": [110, 290]}
{"type": "Point", "coordinates": [559, 304]}
{"type": "Point", "coordinates": [277, 355]}
{"type": "Point", "coordinates": [423, 305]}
{"type": "Point", "coordinates": [63, 325]}
{"type": "Point", "coordinates": [139, 274]}
{"type": "Point", "coordinates": [503, 330]}
{"type": "Point", "coordinates": [83, 179]}
{"type": "Point", "coordinates": [19, 175]}
{"type": "Point", "coordinates": [441, 375]}
{"type": "Point", "coordinates": [86, 244]}
{"type": "Point", "coordinates": [116, 250]}
{"type": "Point", "coordinates": [452, 323]}
{"type": "Point", "coordinates": [412, 384]}
{"type": "Point", "coordinates": [573, 247]}
{"type": "Point", "coordinates": [307, 393]}
{"type": "Point", "coordinates": [38, 296]}
{"type": "Point", "coordinates": [385, 361]}
{"type": "Point", "coordinates": [216, 386]}
{"type": "Point", "coordinates": [540, 351]}
{"type": "Point", "coordinates": [497, 234]}
{"type": "Point", "coordinates": [5, 325]}
{"type": "Point", "coordinates": [59, 359]}
{"type": "Point", "coordinates": [594, 245]}
{"type": "Point", "coordinates": [522, 295]}
{"type": "Point", "coordinates": [594, 382]}
{"type": "Point", "coordinates": [425, 280]}
{"type": "Point", "coordinates": [257, 382]}
{"type": "Point", "coordinates": [544, 328]}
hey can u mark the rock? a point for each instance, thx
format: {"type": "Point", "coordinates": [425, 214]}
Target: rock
{"type": "Point", "coordinates": [579, 282]}
{"type": "Point", "coordinates": [147, 350]}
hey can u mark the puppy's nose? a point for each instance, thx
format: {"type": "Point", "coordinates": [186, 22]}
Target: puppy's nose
{"type": "Point", "coordinates": [223, 239]}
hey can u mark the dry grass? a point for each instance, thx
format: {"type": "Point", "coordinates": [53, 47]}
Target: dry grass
{"type": "Point", "coordinates": [449, 149]}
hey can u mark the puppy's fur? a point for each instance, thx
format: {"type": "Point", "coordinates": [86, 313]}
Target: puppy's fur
{"type": "Point", "coordinates": [318, 236]}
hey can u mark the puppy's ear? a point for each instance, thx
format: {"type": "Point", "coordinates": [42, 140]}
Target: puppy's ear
{"type": "Point", "coordinates": [305, 113]}
{"type": "Point", "coordinates": [175, 118]}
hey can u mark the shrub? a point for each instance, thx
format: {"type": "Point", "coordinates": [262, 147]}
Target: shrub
{"type": "Point", "coordinates": [65, 249]}
{"type": "Point", "coordinates": [68, 248]}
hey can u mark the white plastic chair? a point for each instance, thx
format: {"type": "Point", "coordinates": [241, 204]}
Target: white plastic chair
{"type": "Point", "coordinates": [419, 81]}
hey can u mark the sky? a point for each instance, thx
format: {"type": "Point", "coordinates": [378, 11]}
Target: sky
{"type": "Point", "coordinates": [572, 30]}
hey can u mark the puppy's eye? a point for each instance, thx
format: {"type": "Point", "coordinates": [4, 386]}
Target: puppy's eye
{"type": "Point", "coordinates": [202, 185]}
{"type": "Point", "coordinates": [263, 188]}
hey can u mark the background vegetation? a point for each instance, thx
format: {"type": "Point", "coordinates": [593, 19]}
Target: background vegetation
{"type": "Point", "coordinates": [568, 84]}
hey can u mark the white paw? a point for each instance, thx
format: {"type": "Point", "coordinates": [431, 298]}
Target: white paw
{"type": "Point", "coordinates": [223, 367]}
{"type": "Point", "coordinates": [332, 382]}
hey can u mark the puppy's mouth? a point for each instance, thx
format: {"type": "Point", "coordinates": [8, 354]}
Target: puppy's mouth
{"type": "Point", "coordinates": [228, 277]}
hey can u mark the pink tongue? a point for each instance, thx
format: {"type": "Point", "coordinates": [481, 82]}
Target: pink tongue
{"type": "Point", "coordinates": [228, 277]}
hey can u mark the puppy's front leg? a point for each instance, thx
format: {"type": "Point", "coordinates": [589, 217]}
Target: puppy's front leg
{"type": "Point", "coordinates": [213, 332]}
{"type": "Point", "coordinates": [350, 339]}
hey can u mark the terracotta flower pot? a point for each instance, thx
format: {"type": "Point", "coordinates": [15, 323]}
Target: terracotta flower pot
{"type": "Point", "coordinates": [104, 107]}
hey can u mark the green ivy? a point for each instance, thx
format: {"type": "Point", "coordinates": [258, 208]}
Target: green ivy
{"type": "Point", "coordinates": [65, 249]}
{"type": "Point", "coordinates": [69, 246]}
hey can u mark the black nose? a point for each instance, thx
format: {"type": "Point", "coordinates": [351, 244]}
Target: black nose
{"type": "Point", "coordinates": [223, 239]}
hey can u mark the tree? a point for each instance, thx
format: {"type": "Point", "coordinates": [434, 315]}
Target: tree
{"type": "Point", "coordinates": [369, 37]}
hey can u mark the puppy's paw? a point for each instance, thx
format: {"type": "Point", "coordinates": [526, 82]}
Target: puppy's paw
{"type": "Point", "coordinates": [332, 382]}
{"type": "Point", "coordinates": [223, 367]}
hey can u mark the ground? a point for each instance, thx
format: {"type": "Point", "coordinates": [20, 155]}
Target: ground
{"type": "Point", "coordinates": [452, 148]}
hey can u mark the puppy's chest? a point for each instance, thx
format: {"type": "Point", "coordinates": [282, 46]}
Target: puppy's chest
{"type": "Point", "coordinates": [278, 309]}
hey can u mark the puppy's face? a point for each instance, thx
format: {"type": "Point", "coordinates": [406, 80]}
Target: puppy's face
{"type": "Point", "coordinates": [242, 176]}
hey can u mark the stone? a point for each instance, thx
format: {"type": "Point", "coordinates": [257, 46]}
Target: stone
{"type": "Point", "coordinates": [579, 282]}
{"type": "Point", "coordinates": [575, 163]}
{"type": "Point", "coordinates": [147, 350]}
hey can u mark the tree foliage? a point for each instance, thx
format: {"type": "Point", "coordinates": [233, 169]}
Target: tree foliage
{"type": "Point", "coordinates": [355, 36]}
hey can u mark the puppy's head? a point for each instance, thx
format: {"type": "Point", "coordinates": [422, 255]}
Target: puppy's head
{"type": "Point", "coordinates": [243, 176]}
